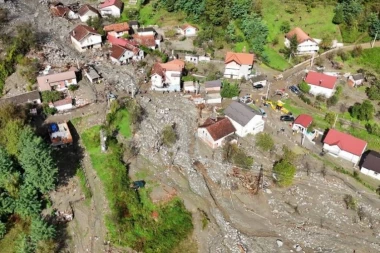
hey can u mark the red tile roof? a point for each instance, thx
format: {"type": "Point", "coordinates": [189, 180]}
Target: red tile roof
{"type": "Point", "coordinates": [81, 31]}
{"type": "Point", "coordinates": [174, 65]}
{"type": "Point", "coordinates": [59, 10]}
{"type": "Point", "coordinates": [219, 128]}
{"type": "Point", "coordinates": [301, 35]}
{"type": "Point", "coordinates": [86, 8]}
{"type": "Point", "coordinates": [239, 58]}
{"type": "Point", "coordinates": [107, 3]}
{"type": "Point", "coordinates": [345, 142]}
{"type": "Point", "coordinates": [130, 45]}
{"type": "Point", "coordinates": [119, 27]}
{"type": "Point", "coordinates": [157, 69]}
{"type": "Point", "coordinates": [117, 51]}
{"type": "Point", "coordinates": [320, 79]}
{"type": "Point", "coordinates": [303, 120]}
{"type": "Point", "coordinates": [146, 40]}
{"type": "Point", "coordinates": [65, 101]}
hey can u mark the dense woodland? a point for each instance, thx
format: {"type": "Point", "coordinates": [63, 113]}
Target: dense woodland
{"type": "Point", "coordinates": [27, 173]}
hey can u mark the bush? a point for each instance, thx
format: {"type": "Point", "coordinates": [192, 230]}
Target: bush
{"type": "Point", "coordinates": [304, 87]}
{"type": "Point", "coordinates": [275, 41]}
{"type": "Point", "coordinates": [330, 118]}
{"type": "Point", "coordinates": [321, 98]}
{"type": "Point", "coordinates": [48, 110]}
{"type": "Point", "coordinates": [373, 92]}
{"type": "Point", "coordinates": [343, 55]}
{"type": "Point", "coordinates": [170, 33]}
{"type": "Point", "coordinates": [332, 101]}
{"type": "Point", "coordinates": [51, 96]}
{"type": "Point", "coordinates": [350, 202]}
{"type": "Point", "coordinates": [232, 154]}
{"type": "Point", "coordinates": [229, 90]}
{"type": "Point", "coordinates": [264, 141]}
{"type": "Point", "coordinates": [285, 27]}
{"type": "Point", "coordinates": [339, 90]}
{"type": "Point", "coordinates": [373, 128]}
{"type": "Point", "coordinates": [305, 99]}
{"type": "Point", "coordinates": [169, 135]}
{"type": "Point", "coordinates": [357, 51]}
{"type": "Point", "coordinates": [284, 169]}
{"type": "Point", "coordinates": [362, 111]}
{"type": "Point", "coordinates": [73, 87]}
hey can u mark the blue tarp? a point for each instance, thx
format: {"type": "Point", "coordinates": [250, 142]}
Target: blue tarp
{"type": "Point", "coordinates": [54, 127]}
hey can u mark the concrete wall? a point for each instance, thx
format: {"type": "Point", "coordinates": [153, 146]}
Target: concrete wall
{"type": "Point", "coordinates": [254, 126]}
{"type": "Point", "coordinates": [64, 107]}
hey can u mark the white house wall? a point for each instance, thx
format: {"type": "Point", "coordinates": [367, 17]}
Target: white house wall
{"type": "Point", "coordinates": [86, 16]}
{"type": "Point", "coordinates": [254, 126]}
{"type": "Point", "coordinates": [370, 173]}
{"type": "Point", "coordinates": [304, 47]}
{"type": "Point", "coordinates": [64, 107]}
{"type": "Point", "coordinates": [156, 81]}
{"type": "Point", "coordinates": [110, 11]}
{"type": "Point", "coordinates": [236, 71]}
{"type": "Point", "coordinates": [317, 90]}
{"type": "Point", "coordinates": [92, 40]}
{"type": "Point", "coordinates": [335, 150]}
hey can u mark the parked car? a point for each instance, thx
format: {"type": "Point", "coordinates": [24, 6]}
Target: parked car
{"type": "Point", "coordinates": [245, 99]}
{"type": "Point", "coordinates": [294, 89]}
{"type": "Point", "coordinates": [258, 86]}
{"type": "Point", "coordinates": [286, 118]}
{"type": "Point", "coordinates": [263, 113]}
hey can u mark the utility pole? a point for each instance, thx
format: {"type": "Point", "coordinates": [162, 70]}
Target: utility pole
{"type": "Point", "coordinates": [374, 40]}
{"type": "Point", "coordinates": [266, 97]}
{"type": "Point", "coordinates": [336, 118]}
{"type": "Point", "coordinates": [312, 61]}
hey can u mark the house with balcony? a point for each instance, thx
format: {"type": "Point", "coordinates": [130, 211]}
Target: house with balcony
{"type": "Point", "coordinates": [238, 65]}
{"type": "Point", "coordinates": [305, 44]}
{"type": "Point", "coordinates": [167, 76]}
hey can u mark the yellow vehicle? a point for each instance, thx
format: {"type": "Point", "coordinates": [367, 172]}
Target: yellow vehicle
{"type": "Point", "coordinates": [278, 107]}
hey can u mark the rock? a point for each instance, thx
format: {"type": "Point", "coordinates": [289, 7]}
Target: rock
{"type": "Point", "coordinates": [268, 191]}
{"type": "Point", "coordinates": [279, 243]}
{"type": "Point", "coordinates": [297, 247]}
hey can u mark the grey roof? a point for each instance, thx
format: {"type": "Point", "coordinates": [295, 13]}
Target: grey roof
{"type": "Point", "coordinates": [145, 29]}
{"type": "Point", "coordinates": [359, 76]}
{"type": "Point", "coordinates": [240, 113]}
{"type": "Point", "coordinates": [28, 97]}
{"type": "Point", "coordinates": [92, 72]}
{"type": "Point", "coordinates": [258, 78]}
{"type": "Point", "coordinates": [213, 84]}
{"type": "Point", "coordinates": [372, 161]}
{"type": "Point", "coordinates": [133, 22]}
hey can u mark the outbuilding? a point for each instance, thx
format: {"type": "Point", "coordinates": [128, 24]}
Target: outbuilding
{"type": "Point", "coordinates": [371, 164]}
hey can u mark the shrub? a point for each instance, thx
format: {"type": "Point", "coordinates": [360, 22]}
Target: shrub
{"type": "Point", "coordinates": [330, 118]}
{"type": "Point", "coordinates": [48, 110]}
{"type": "Point", "coordinates": [275, 41]}
{"type": "Point", "coordinates": [264, 141]}
{"type": "Point", "coordinates": [285, 169]}
{"type": "Point", "coordinates": [373, 128]}
{"type": "Point", "coordinates": [321, 97]}
{"type": "Point", "coordinates": [330, 56]}
{"type": "Point", "coordinates": [350, 202]}
{"type": "Point", "coordinates": [73, 87]}
{"type": "Point", "coordinates": [339, 90]}
{"type": "Point", "coordinates": [373, 92]}
{"type": "Point", "coordinates": [305, 99]}
{"type": "Point", "coordinates": [304, 87]}
{"type": "Point", "coordinates": [170, 33]}
{"type": "Point", "coordinates": [332, 101]}
{"type": "Point", "coordinates": [232, 154]}
{"type": "Point", "coordinates": [51, 96]}
{"type": "Point", "coordinates": [169, 135]}
{"type": "Point", "coordinates": [285, 27]}
{"type": "Point", "coordinates": [343, 55]}
{"type": "Point", "coordinates": [357, 51]}
{"type": "Point", "coordinates": [362, 111]}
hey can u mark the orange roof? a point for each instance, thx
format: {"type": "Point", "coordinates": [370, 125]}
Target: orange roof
{"type": "Point", "coordinates": [301, 35]}
{"type": "Point", "coordinates": [239, 58]}
{"type": "Point", "coordinates": [120, 27]}
{"type": "Point", "coordinates": [145, 40]}
{"type": "Point", "coordinates": [174, 65]}
{"type": "Point", "coordinates": [157, 69]}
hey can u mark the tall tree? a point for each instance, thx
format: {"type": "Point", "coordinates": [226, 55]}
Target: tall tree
{"type": "Point", "coordinates": [10, 134]}
{"type": "Point", "coordinates": [28, 203]}
{"type": "Point", "coordinates": [216, 12]}
{"type": "Point", "coordinates": [255, 31]}
{"type": "Point", "coordinates": [35, 158]}
{"type": "Point", "coordinates": [40, 230]}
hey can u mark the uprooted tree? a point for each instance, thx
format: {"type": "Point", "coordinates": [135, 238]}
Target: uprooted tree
{"type": "Point", "coordinates": [284, 169]}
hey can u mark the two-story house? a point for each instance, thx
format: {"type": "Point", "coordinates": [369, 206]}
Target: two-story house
{"type": "Point", "coordinates": [84, 37]}
{"type": "Point", "coordinates": [305, 44]}
{"type": "Point", "coordinates": [214, 132]}
{"type": "Point", "coordinates": [321, 84]}
{"type": "Point", "coordinates": [245, 119]}
{"type": "Point", "coordinates": [167, 76]}
{"type": "Point", "coordinates": [238, 65]}
{"type": "Point", "coordinates": [123, 55]}
{"type": "Point", "coordinates": [58, 81]}
{"type": "Point", "coordinates": [111, 8]}
{"type": "Point", "coordinates": [117, 30]}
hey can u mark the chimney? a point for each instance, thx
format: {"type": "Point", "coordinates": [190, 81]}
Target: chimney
{"type": "Point", "coordinates": [320, 82]}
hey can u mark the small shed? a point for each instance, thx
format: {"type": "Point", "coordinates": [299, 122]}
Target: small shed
{"type": "Point", "coordinates": [260, 79]}
{"type": "Point", "coordinates": [191, 86]}
{"type": "Point", "coordinates": [212, 86]}
{"type": "Point", "coordinates": [355, 80]}
{"type": "Point", "coordinates": [92, 75]}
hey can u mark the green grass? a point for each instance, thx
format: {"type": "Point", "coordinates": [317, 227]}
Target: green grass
{"type": "Point", "coordinates": [276, 60]}
{"type": "Point", "coordinates": [370, 59]}
{"type": "Point", "coordinates": [316, 24]}
{"type": "Point", "coordinates": [122, 123]}
{"type": "Point", "coordinates": [130, 222]}
{"type": "Point", "coordinates": [83, 184]}
{"type": "Point", "coordinates": [240, 46]}
{"type": "Point", "coordinates": [148, 16]}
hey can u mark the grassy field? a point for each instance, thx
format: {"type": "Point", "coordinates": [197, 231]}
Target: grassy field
{"type": "Point", "coordinates": [316, 24]}
{"type": "Point", "coordinates": [83, 184]}
{"type": "Point", "coordinates": [131, 222]}
{"type": "Point", "coordinates": [148, 16]}
{"type": "Point", "coordinates": [370, 58]}
{"type": "Point", "coordinates": [122, 123]}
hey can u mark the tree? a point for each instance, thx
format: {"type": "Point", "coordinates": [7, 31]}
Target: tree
{"type": "Point", "coordinates": [285, 27]}
{"type": "Point", "coordinates": [215, 12]}
{"type": "Point", "coordinates": [4, 13]}
{"type": "Point", "coordinates": [23, 244]}
{"type": "Point", "coordinates": [230, 31]}
{"type": "Point", "coordinates": [311, 127]}
{"type": "Point", "coordinates": [229, 90]}
{"type": "Point", "coordinates": [9, 136]}
{"type": "Point", "coordinates": [326, 42]}
{"type": "Point", "coordinates": [27, 203]}
{"type": "Point", "coordinates": [233, 154]}
{"type": "Point", "coordinates": [96, 23]}
{"type": "Point", "coordinates": [51, 96]}
{"type": "Point", "coordinates": [255, 31]}
{"type": "Point", "coordinates": [40, 230]}
{"type": "Point", "coordinates": [331, 101]}
{"type": "Point", "coordinates": [239, 8]}
{"type": "Point", "coordinates": [338, 17]}
{"type": "Point", "coordinates": [293, 45]}
{"type": "Point", "coordinates": [373, 92]}
{"type": "Point", "coordinates": [284, 169]}
{"type": "Point", "coordinates": [363, 111]}
{"type": "Point", "coordinates": [35, 158]}
{"type": "Point", "coordinates": [357, 51]}
{"type": "Point", "coordinates": [304, 87]}
{"type": "Point", "coordinates": [3, 230]}
{"type": "Point", "coordinates": [264, 141]}
{"type": "Point", "coordinates": [330, 118]}
{"type": "Point", "coordinates": [169, 135]}
{"type": "Point", "coordinates": [374, 25]}
{"type": "Point", "coordinates": [373, 128]}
